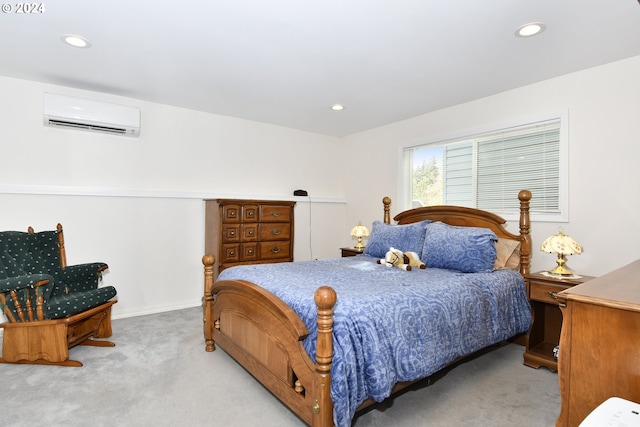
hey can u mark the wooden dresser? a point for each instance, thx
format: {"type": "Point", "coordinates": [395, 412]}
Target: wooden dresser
{"type": "Point", "coordinates": [600, 343]}
{"type": "Point", "coordinates": [241, 232]}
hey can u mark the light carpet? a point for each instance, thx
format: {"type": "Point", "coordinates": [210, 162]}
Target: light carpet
{"type": "Point", "coordinates": [160, 375]}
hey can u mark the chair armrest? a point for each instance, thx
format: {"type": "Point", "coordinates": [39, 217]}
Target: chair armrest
{"type": "Point", "coordinates": [24, 281]}
{"type": "Point", "coordinates": [22, 297]}
{"type": "Point", "coordinates": [82, 277]}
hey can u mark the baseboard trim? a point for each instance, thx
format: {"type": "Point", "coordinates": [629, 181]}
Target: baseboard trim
{"type": "Point", "coordinates": [155, 310]}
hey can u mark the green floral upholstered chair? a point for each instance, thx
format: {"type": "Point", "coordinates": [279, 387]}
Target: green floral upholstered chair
{"type": "Point", "coordinates": [49, 306]}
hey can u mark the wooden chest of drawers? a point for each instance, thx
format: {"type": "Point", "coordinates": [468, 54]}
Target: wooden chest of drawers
{"type": "Point", "coordinates": [248, 231]}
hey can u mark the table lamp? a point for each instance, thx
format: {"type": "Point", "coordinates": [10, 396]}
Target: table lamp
{"type": "Point", "coordinates": [359, 231]}
{"type": "Point", "coordinates": [562, 245]}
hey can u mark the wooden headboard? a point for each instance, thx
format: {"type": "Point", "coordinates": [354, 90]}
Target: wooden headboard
{"type": "Point", "coordinates": [469, 217]}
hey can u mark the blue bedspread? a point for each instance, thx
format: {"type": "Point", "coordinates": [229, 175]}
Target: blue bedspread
{"type": "Point", "coordinates": [392, 325]}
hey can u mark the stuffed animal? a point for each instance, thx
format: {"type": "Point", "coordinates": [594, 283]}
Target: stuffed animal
{"type": "Point", "coordinates": [396, 258]}
{"type": "Point", "coordinates": [413, 260]}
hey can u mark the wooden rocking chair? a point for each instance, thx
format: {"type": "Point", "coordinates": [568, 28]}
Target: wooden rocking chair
{"type": "Point", "coordinates": [50, 307]}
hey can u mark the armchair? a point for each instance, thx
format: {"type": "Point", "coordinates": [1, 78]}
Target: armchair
{"type": "Point", "coordinates": [50, 307]}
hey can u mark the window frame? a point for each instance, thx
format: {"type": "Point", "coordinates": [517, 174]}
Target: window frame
{"type": "Point", "coordinates": [405, 175]}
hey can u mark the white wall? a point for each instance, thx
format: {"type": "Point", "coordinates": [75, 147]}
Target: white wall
{"type": "Point", "coordinates": [136, 203]}
{"type": "Point", "coordinates": [604, 134]}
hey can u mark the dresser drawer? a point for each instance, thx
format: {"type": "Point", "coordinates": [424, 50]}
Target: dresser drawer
{"type": "Point", "coordinates": [274, 250]}
{"type": "Point", "coordinates": [275, 231]}
{"type": "Point", "coordinates": [231, 233]}
{"type": "Point", "coordinates": [275, 213]}
{"type": "Point", "coordinates": [231, 213]}
{"type": "Point", "coordinates": [249, 251]}
{"type": "Point", "coordinates": [235, 252]}
{"type": "Point", "coordinates": [250, 213]}
{"type": "Point", "coordinates": [543, 291]}
{"type": "Point", "coordinates": [239, 233]}
{"type": "Point", "coordinates": [236, 213]}
{"type": "Point", "coordinates": [230, 252]}
{"type": "Point", "coordinates": [249, 232]}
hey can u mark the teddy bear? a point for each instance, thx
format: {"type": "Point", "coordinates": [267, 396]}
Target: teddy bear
{"type": "Point", "coordinates": [404, 260]}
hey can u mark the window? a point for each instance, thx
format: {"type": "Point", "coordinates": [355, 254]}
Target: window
{"type": "Point", "coordinates": [487, 170]}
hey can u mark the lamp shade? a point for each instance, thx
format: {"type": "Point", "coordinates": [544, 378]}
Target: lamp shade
{"type": "Point", "coordinates": [359, 231]}
{"type": "Point", "coordinates": [560, 244]}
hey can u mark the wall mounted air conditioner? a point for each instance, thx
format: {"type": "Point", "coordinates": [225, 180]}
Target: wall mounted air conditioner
{"type": "Point", "coordinates": [84, 114]}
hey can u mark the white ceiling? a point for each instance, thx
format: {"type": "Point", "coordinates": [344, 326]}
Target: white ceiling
{"type": "Point", "coordinates": [286, 62]}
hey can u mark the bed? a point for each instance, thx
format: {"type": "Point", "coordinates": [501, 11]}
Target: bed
{"type": "Point", "coordinates": [331, 337]}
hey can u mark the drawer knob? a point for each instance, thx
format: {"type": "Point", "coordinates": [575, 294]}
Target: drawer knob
{"type": "Point", "coordinates": [276, 231]}
{"type": "Point", "coordinates": [275, 213]}
{"type": "Point", "coordinates": [553, 295]}
{"type": "Point", "coordinates": [275, 250]}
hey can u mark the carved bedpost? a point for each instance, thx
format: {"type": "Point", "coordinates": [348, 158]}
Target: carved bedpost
{"type": "Point", "coordinates": [207, 302]}
{"type": "Point", "coordinates": [325, 298]}
{"type": "Point", "coordinates": [525, 238]}
{"type": "Point", "coordinates": [63, 252]}
{"type": "Point", "coordinates": [386, 201]}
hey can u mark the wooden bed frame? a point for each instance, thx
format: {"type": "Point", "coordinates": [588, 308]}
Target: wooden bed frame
{"type": "Point", "coordinates": [265, 335]}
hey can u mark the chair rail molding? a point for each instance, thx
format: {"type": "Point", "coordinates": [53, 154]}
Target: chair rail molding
{"type": "Point", "coordinates": [54, 190]}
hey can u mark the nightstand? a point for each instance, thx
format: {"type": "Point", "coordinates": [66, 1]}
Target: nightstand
{"type": "Point", "coordinates": [351, 251]}
{"type": "Point", "coordinates": [546, 318]}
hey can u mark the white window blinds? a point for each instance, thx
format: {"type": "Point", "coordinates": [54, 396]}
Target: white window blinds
{"type": "Point", "coordinates": [488, 170]}
{"type": "Point", "coordinates": [513, 159]}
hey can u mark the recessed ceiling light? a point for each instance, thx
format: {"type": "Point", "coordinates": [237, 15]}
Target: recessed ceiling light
{"type": "Point", "coordinates": [531, 29]}
{"type": "Point", "coordinates": [75, 41]}
{"type": "Point", "coordinates": [337, 107]}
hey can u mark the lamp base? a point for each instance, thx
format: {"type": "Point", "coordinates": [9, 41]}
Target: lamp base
{"type": "Point", "coordinates": [561, 270]}
{"type": "Point", "coordinates": [359, 246]}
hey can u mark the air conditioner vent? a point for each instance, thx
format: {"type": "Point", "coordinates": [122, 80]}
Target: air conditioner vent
{"type": "Point", "coordinates": [85, 126]}
{"type": "Point", "coordinates": [95, 116]}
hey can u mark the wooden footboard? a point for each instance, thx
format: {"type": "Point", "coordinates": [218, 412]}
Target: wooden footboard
{"type": "Point", "coordinates": [265, 336]}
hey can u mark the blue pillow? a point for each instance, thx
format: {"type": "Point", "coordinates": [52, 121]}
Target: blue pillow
{"type": "Point", "coordinates": [465, 249]}
{"type": "Point", "coordinates": [407, 238]}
